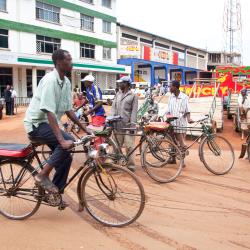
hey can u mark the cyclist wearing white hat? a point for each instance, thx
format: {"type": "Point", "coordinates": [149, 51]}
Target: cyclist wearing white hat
{"type": "Point", "coordinates": [94, 96]}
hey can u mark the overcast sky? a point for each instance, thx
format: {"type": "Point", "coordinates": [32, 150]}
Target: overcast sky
{"type": "Point", "coordinates": [197, 23]}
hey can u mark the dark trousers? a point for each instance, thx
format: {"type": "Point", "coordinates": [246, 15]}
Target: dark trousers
{"type": "Point", "coordinates": [60, 159]}
{"type": "Point", "coordinates": [8, 108]}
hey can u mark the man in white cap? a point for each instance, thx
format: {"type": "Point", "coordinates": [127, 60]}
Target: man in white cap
{"type": "Point", "coordinates": [125, 104]}
{"type": "Point", "coordinates": [94, 96]}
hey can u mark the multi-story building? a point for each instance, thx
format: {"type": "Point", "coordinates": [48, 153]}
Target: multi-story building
{"type": "Point", "coordinates": [216, 59]}
{"type": "Point", "coordinates": [30, 30]}
{"type": "Point", "coordinates": [153, 58]}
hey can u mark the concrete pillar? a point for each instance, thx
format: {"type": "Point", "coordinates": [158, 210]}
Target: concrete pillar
{"type": "Point", "coordinates": [34, 80]}
{"type": "Point", "coordinates": [185, 58]}
{"type": "Point", "coordinates": [15, 78]}
{"type": "Point", "coordinates": [23, 82]}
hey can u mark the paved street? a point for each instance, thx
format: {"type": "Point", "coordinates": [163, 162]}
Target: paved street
{"type": "Point", "coordinates": [198, 211]}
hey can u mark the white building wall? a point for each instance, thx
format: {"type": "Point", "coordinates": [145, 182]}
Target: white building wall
{"type": "Point", "coordinates": [22, 43]}
{"type": "Point", "coordinates": [25, 11]}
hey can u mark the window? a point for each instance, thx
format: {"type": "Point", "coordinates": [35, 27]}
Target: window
{"type": "Point", "coordinates": [47, 12]}
{"type": "Point", "coordinates": [106, 3]}
{"type": "Point", "coordinates": [87, 22]}
{"type": "Point", "coordinates": [87, 50]}
{"type": "Point", "coordinates": [106, 53]}
{"type": "Point", "coordinates": [106, 27]}
{"type": "Point", "coordinates": [129, 36]}
{"type": "Point", "coordinates": [88, 1]}
{"type": "Point", "coordinates": [46, 44]}
{"type": "Point", "coordinates": [39, 75]}
{"type": "Point", "coordinates": [143, 40]}
{"type": "Point", "coordinates": [4, 43]}
{"type": "Point", "coordinates": [29, 82]}
{"type": "Point", "coordinates": [3, 5]}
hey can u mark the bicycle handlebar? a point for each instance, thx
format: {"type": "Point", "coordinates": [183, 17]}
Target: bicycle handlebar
{"type": "Point", "coordinates": [84, 140]}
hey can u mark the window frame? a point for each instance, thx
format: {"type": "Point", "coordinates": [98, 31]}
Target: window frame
{"type": "Point", "coordinates": [44, 42]}
{"type": "Point", "coordinates": [110, 6]}
{"type": "Point", "coordinates": [4, 10]}
{"type": "Point", "coordinates": [104, 25]}
{"type": "Point", "coordinates": [53, 12]}
{"type": "Point", "coordinates": [105, 52]}
{"type": "Point", "coordinates": [86, 1]}
{"type": "Point", "coordinates": [4, 35]}
{"type": "Point", "coordinates": [86, 46]}
{"type": "Point", "coordinates": [91, 22]}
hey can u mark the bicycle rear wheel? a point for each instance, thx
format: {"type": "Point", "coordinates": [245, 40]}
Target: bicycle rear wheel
{"type": "Point", "coordinates": [114, 197]}
{"type": "Point", "coordinates": [217, 155]}
{"type": "Point", "coordinates": [162, 160]}
{"type": "Point", "coordinates": [19, 197]}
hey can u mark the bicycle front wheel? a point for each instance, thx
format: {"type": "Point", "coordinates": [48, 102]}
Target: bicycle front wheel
{"type": "Point", "coordinates": [19, 197]}
{"type": "Point", "coordinates": [113, 196]}
{"type": "Point", "coordinates": [162, 160]}
{"type": "Point", "coordinates": [217, 155]}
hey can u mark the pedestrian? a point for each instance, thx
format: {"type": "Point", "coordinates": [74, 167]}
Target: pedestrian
{"type": "Point", "coordinates": [178, 106]}
{"type": "Point", "coordinates": [13, 99]}
{"type": "Point", "coordinates": [94, 96]}
{"type": "Point", "coordinates": [8, 100]}
{"type": "Point", "coordinates": [74, 94]}
{"type": "Point", "coordinates": [50, 102]}
{"type": "Point", "coordinates": [125, 104]}
{"type": "Point", "coordinates": [80, 106]}
{"type": "Point", "coordinates": [244, 106]}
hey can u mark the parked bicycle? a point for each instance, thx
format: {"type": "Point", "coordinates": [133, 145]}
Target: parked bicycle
{"type": "Point", "coordinates": [155, 152]}
{"type": "Point", "coordinates": [112, 195]}
{"type": "Point", "coordinates": [215, 152]}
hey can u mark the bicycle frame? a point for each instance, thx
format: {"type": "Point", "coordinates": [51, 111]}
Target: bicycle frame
{"type": "Point", "coordinates": [206, 133]}
{"type": "Point", "coordinates": [81, 171]}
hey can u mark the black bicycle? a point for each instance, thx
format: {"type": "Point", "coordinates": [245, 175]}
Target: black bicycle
{"type": "Point", "coordinates": [155, 151]}
{"type": "Point", "coordinates": [112, 195]}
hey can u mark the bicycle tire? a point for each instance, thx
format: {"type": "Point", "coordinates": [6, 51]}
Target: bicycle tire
{"type": "Point", "coordinates": [155, 170]}
{"type": "Point", "coordinates": [37, 200]}
{"type": "Point", "coordinates": [114, 170]}
{"type": "Point", "coordinates": [213, 149]}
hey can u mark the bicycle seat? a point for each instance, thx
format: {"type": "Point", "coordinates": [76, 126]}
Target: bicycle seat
{"type": "Point", "coordinates": [112, 119]}
{"type": "Point", "coordinates": [10, 150]}
{"type": "Point", "coordinates": [171, 119]}
{"type": "Point", "coordinates": [157, 126]}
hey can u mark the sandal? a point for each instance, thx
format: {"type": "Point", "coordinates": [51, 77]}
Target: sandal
{"type": "Point", "coordinates": [45, 183]}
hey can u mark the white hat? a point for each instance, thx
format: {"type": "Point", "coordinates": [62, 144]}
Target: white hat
{"type": "Point", "coordinates": [88, 78]}
{"type": "Point", "coordinates": [124, 79]}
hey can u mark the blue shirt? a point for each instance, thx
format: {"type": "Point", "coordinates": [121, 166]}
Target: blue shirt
{"type": "Point", "coordinates": [94, 95]}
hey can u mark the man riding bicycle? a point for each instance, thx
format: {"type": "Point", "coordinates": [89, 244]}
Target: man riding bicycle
{"type": "Point", "coordinates": [50, 102]}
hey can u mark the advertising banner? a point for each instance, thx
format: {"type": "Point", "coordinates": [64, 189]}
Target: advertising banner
{"type": "Point", "coordinates": [129, 49]}
{"type": "Point", "coordinates": [164, 56]}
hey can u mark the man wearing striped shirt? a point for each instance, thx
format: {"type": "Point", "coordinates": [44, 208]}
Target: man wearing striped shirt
{"type": "Point", "coordinates": [178, 106]}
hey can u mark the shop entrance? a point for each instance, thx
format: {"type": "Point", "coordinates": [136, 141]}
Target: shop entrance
{"type": "Point", "coordinates": [6, 78]}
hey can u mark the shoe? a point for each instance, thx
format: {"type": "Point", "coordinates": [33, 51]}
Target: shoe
{"type": "Point", "coordinates": [45, 183]}
{"type": "Point", "coordinates": [171, 160]}
{"type": "Point", "coordinates": [63, 205]}
{"type": "Point", "coordinates": [131, 168]}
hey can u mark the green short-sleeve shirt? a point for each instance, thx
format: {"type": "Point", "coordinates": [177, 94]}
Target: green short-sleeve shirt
{"type": "Point", "coordinates": [53, 95]}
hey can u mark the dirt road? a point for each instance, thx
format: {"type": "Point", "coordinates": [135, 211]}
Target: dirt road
{"type": "Point", "coordinates": [198, 211]}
